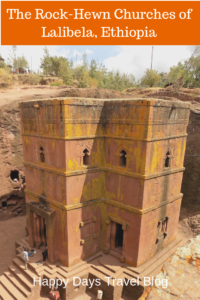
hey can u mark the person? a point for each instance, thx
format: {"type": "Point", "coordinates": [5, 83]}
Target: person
{"type": "Point", "coordinates": [45, 253]}
{"type": "Point", "coordinates": [25, 249]}
{"type": "Point", "coordinates": [25, 257]}
{"type": "Point", "coordinates": [54, 293]}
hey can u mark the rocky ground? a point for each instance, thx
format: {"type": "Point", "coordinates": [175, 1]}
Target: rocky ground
{"type": "Point", "coordinates": [24, 93]}
{"type": "Point", "coordinates": [10, 231]}
{"type": "Point", "coordinates": [181, 272]}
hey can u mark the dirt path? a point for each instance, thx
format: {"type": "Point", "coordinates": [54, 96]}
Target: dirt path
{"type": "Point", "coordinates": [27, 93]}
{"type": "Point", "coordinates": [10, 231]}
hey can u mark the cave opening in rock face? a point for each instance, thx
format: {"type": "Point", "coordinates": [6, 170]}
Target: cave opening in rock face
{"type": "Point", "coordinates": [4, 203]}
{"type": "Point", "coordinates": [14, 175]}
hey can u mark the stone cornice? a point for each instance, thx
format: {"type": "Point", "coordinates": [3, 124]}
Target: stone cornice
{"type": "Point", "coordinates": [117, 121]}
{"type": "Point", "coordinates": [105, 136]}
{"type": "Point", "coordinates": [80, 101]}
{"type": "Point", "coordinates": [105, 169]}
{"type": "Point", "coordinates": [106, 201]}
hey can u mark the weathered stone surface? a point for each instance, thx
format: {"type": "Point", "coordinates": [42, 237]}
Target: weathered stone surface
{"type": "Point", "coordinates": [183, 274]}
{"type": "Point", "coordinates": [190, 187]}
{"type": "Point", "coordinates": [132, 177]}
{"type": "Point", "coordinates": [11, 202]}
{"type": "Point", "coordinates": [11, 157]}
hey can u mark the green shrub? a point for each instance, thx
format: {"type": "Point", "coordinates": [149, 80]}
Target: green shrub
{"type": "Point", "coordinates": [57, 83]}
{"type": "Point", "coordinates": [33, 79]}
{"type": "Point", "coordinates": [5, 76]}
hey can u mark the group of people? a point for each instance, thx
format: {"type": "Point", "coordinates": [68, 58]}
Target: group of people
{"type": "Point", "coordinates": [24, 71]}
{"type": "Point", "coordinates": [54, 293]}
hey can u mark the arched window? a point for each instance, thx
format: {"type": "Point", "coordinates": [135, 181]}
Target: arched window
{"type": "Point", "coordinates": [167, 160]}
{"type": "Point", "coordinates": [42, 157]}
{"type": "Point", "coordinates": [122, 160]}
{"type": "Point", "coordinates": [86, 157]}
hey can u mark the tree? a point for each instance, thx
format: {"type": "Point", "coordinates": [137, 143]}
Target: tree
{"type": "Point", "coordinates": [118, 81]}
{"type": "Point", "coordinates": [46, 62]}
{"type": "Point", "coordinates": [85, 75]}
{"type": "Point", "coordinates": [55, 64]}
{"type": "Point", "coordinates": [2, 63]}
{"type": "Point", "coordinates": [176, 72]}
{"type": "Point", "coordinates": [189, 70]}
{"type": "Point", "coordinates": [93, 68]}
{"type": "Point", "coordinates": [60, 66]}
{"type": "Point", "coordinates": [64, 71]}
{"type": "Point", "coordinates": [164, 79]}
{"type": "Point", "coordinates": [17, 62]}
{"type": "Point", "coordinates": [192, 71]}
{"type": "Point", "coordinates": [82, 76]}
{"type": "Point", "coordinates": [20, 62]}
{"type": "Point", "coordinates": [151, 77]}
{"type": "Point", "coordinates": [128, 80]}
{"type": "Point", "coordinates": [12, 56]}
{"type": "Point", "coordinates": [84, 59]}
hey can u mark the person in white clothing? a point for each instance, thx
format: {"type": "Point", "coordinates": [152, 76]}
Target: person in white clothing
{"type": "Point", "coordinates": [25, 257]}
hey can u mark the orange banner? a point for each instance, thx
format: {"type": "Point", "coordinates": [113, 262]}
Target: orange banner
{"type": "Point", "coordinates": [100, 23]}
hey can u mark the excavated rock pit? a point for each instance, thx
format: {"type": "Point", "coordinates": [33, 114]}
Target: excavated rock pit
{"type": "Point", "coordinates": [11, 158]}
{"type": "Point", "coordinates": [182, 270]}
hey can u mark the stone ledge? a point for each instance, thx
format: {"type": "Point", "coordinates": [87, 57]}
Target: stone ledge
{"type": "Point", "coordinates": [101, 200]}
{"type": "Point", "coordinates": [99, 169]}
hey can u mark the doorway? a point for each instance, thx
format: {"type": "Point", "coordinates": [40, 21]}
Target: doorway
{"type": "Point", "coordinates": [119, 236]}
{"type": "Point", "coordinates": [40, 231]}
{"type": "Point", "coordinates": [116, 237]}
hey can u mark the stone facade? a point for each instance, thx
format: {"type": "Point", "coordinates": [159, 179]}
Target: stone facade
{"type": "Point", "coordinates": [103, 175]}
{"type": "Point", "coordinates": [190, 186]}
